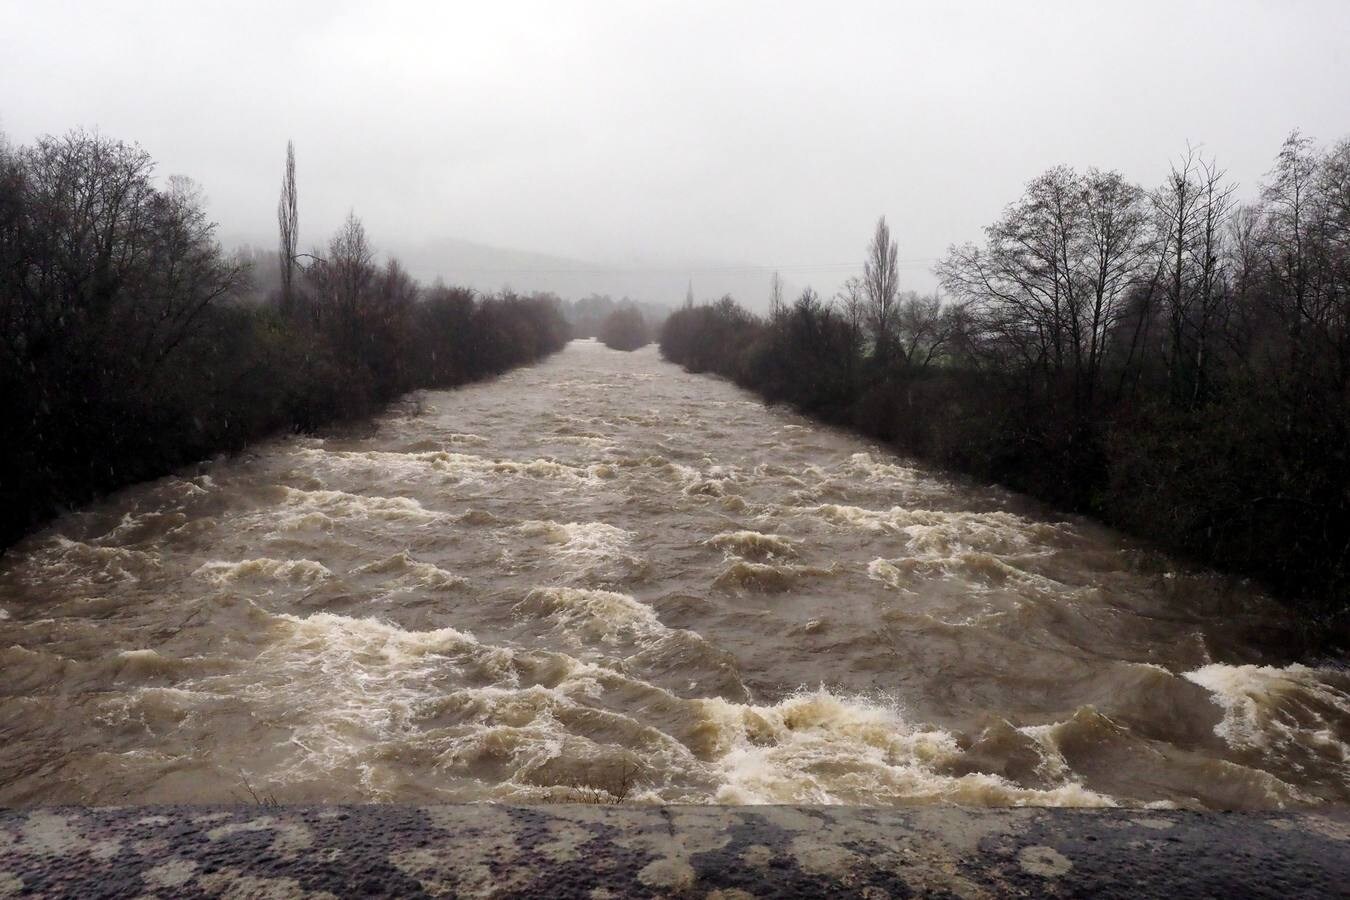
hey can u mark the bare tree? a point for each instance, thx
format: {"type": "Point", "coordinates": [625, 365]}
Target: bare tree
{"type": "Point", "coordinates": [1053, 278]}
{"type": "Point", "coordinates": [350, 264]}
{"type": "Point", "coordinates": [1214, 294]}
{"type": "Point", "coordinates": [775, 294]}
{"type": "Point", "coordinates": [1306, 254]}
{"type": "Point", "coordinates": [288, 219]}
{"type": "Point", "coordinates": [923, 328]}
{"type": "Point", "coordinates": [1191, 211]}
{"type": "Point", "coordinates": [1018, 284]}
{"type": "Point", "coordinates": [1115, 256]}
{"type": "Point", "coordinates": [103, 263]}
{"type": "Point", "coordinates": [881, 283]}
{"type": "Point", "coordinates": [1289, 217]}
{"type": "Point", "coordinates": [190, 272]}
{"type": "Point", "coordinates": [343, 283]}
{"type": "Point", "coordinates": [852, 303]}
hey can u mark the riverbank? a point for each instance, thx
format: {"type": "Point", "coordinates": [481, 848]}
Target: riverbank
{"type": "Point", "coordinates": [134, 344]}
{"type": "Point", "coordinates": [632, 851]}
{"type": "Point", "coordinates": [1231, 486]}
{"type": "Point", "coordinates": [258, 375]}
{"type": "Point", "coordinates": [601, 575]}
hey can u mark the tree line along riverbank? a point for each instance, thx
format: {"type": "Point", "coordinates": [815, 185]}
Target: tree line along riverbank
{"type": "Point", "coordinates": [132, 343]}
{"type": "Point", "coordinates": [1171, 361]}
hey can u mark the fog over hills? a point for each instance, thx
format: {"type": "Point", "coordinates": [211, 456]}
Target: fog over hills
{"type": "Point", "coordinates": [760, 134]}
{"type": "Point", "coordinates": [486, 268]}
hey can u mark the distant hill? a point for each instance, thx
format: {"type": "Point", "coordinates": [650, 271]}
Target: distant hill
{"type": "Point", "coordinates": [486, 268]}
{"type": "Point", "coordinates": [491, 268]}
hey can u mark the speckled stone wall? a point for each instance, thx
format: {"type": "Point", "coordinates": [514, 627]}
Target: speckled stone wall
{"type": "Point", "coordinates": [727, 852]}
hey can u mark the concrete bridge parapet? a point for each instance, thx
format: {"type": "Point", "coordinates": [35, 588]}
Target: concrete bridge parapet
{"type": "Point", "coordinates": [640, 851]}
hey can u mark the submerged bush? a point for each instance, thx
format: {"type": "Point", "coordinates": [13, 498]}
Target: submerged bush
{"type": "Point", "coordinates": [625, 329]}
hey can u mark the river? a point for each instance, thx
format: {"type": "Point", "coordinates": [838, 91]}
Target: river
{"type": "Point", "coordinates": [602, 577]}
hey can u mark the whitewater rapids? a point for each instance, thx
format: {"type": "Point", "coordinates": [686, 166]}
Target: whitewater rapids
{"type": "Point", "coordinates": [603, 578]}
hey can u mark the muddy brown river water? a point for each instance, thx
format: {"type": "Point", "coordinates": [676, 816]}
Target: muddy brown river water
{"type": "Point", "coordinates": [601, 575]}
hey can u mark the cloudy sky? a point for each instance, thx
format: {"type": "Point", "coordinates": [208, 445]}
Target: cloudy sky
{"type": "Point", "coordinates": [685, 136]}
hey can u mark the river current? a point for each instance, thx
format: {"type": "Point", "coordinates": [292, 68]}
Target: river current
{"type": "Point", "coordinates": [601, 577]}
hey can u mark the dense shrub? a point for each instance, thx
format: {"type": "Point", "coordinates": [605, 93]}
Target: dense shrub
{"type": "Point", "coordinates": [625, 329]}
{"type": "Point", "coordinates": [587, 315]}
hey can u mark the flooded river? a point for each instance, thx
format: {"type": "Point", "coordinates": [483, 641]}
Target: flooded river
{"type": "Point", "coordinates": [602, 577]}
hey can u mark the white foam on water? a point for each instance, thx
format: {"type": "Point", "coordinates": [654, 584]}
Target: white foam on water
{"type": "Point", "coordinates": [711, 481]}
{"type": "Point", "coordinates": [131, 524]}
{"type": "Point", "coordinates": [1270, 709]}
{"type": "Point", "coordinates": [857, 517]}
{"type": "Point", "coordinates": [912, 483]}
{"type": "Point", "coordinates": [1053, 764]}
{"type": "Point", "coordinates": [78, 564]}
{"type": "Point", "coordinates": [340, 685]}
{"type": "Point", "coordinates": [407, 571]}
{"type": "Point", "coordinates": [754, 544]}
{"type": "Point", "coordinates": [581, 440]}
{"type": "Point", "coordinates": [321, 509]}
{"type": "Point", "coordinates": [608, 616]}
{"type": "Point", "coordinates": [585, 548]}
{"type": "Point", "coordinates": [548, 469]}
{"type": "Point", "coordinates": [467, 438]}
{"type": "Point", "coordinates": [975, 571]}
{"type": "Point", "coordinates": [708, 487]}
{"type": "Point", "coordinates": [1088, 727]}
{"type": "Point", "coordinates": [939, 534]}
{"type": "Point", "coordinates": [461, 467]}
{"type": "Point", "coordinates": [821, 747]}
{"type": "Point", "coordinates": [367, 697]}
{"type": "Point", "coordinates": [296, 571]}
{"type": "Point", "coordinates": [981, 552]}
{"type": "Point", "coordinates": [767, 578]}
{"type": "Point", "coordinates": [362, 696]}
{"type": "Point", "coordinates": [385, 462]}
{"type": "Point", "coordinates": [875, 470]}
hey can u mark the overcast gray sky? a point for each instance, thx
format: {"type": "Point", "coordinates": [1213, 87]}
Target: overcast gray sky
{"type": "Point", "coordinates": [672, 134]}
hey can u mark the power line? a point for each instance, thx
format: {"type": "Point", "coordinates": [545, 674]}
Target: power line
{"type": "Point", "coordinates": [916, 262]}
